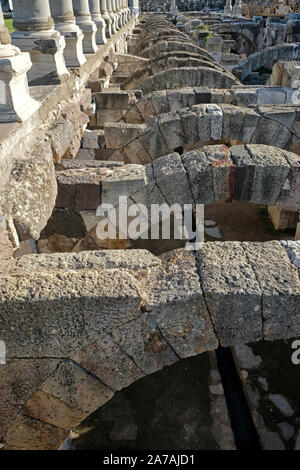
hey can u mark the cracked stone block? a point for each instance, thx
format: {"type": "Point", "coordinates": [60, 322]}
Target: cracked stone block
{"type": "Point", "coordinates": [270, 173]}
{"type": "Point", "coordinates": [293, 251]}
{"type": "Point", "coordinates": [31, 434]}
{"type": "Point", "coordinates": [160, 102]}
{"type": "Point", "coordinates": [223, 171]}
{"type": "Point", "coordinates": [146, 108]}
{"type": "Point", "coordinates": [290, 195]}
{"type": "Point", "coordinates": [143, 341]}
{"type": "Point", "coordinates": [199, 170]}
{"type": "Point", "coordinates": [153, 140]}
{"type": "Point", "coordinates": [249, 126]}
{"type": "Point", "coordinates": [190, 127]}
{"type": "Point", "coordinates": [54, 316]}
{"type": "Point", "coordinates": [244, 171]}
{"type": "Point", "coordinates": [117, 135]}
{"type": "Point", "coordinates": [109, 363]}
{"type": "Point", "coordinates": [280, 288]}
{"type": "Point", "coordinates": [203, 123]}
{"type": "Point", "coordinates": [233, 117]}
{"type": "Point", "coordinates": [122, 182]}
{"type": "Point", "coordinates": [51, 410]}
{"type": "Point", "coordinates": [19, 379]}
{"type": "Point", "coordinates": [79, 189]}
{"type": "Point", "coordinates": [30, 210]}
{"type": "Point", "coordinates": [76, 387]}
{"type": "Point", "coordinates": [171, 178]}
{"type": "Point", "coordinates": [177, 305]}
{"type": "Point", "coordinates": [232, 293]}
{"type": "Point", "coordinates": [282, 114]}
{"type": "Point", "coordinates": [265, 131]}
{"type": "Point", "coordinates": [171, 129]}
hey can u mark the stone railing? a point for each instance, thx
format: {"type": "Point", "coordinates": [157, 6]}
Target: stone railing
{"type": "Point", "coordinates": [49, 37]}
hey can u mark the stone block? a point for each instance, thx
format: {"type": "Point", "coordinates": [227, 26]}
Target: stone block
{"type": "Point", "coordinates": [77, 388]}
{"type": "Point", "coordinates": [270, 172]}
{"type": "Point", "coordinates": [290, 195]}
{"type": "Point", "coordinates": [90, 139]}
{"type": "Point", "coordinates": [19, 379]}
{"type": "Point", "coordinates": [199, 171]}
{"type": "Point", "coordinates": [223, 172]}
{"type": "Point", "coordinates": [171, 129]}
{"type": "Point", "coordinates": [280, 288]}
{"type": "Point", "coordinates": [122, 182]}
{"type": "Point", "coordinates": [244, 171]}
{"type": "Point", "coordinates": [144, 343]}
{"type": "Point", "coordinates": [225, 273]}
{"type": "Point", "coordinates": [118, 135]}
{"type": "Point", "coordinates": [64, 309]}
{"type": "Point", "coordinates": [109, 363]}
{"type": "Point", "coordinates": [79, 189]}
{"type": "Point", "coordinates": [65, 222]}
{"type": "Point", "coordinates": [31, 434]}
{"type": "Point", "coordinates": [177, 305]}
{"type": "Point", "coordinates": [171, 178]}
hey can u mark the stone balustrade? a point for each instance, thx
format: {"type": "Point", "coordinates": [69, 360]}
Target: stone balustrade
{"type": "Point", "coordinates": [16, 103]}
{"type": "Point", "coordinates": [49, 36]}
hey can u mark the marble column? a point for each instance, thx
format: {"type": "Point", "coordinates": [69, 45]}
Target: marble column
{"type": "Point", "coordinates": [63, 16]}
{"type": "Point", "coordinates": [86, 24]}
{"type": "Point", "coordinates": [112, 16]}
{"type": "Point", "coordinates": [35, 33]}
{"type": "Point", "coordinates": [134, 7]}
{"type": "Point", "coordinates": [16, 103]}
{"type": "Point", "coordinates": [237, 9]}
{"type": "Point", "coordinates": [99, 21]}
{"type": "Point", "coordinates": [106, 17]}
{"type": "Point", "coordinates": [116, 13]}
{"type": "Point", "coordinates": [119, 11]}
{"type": "Point", "coordinates": [228, 8]}
{"type": "Point", "coordinates": [173, 8]}
{"type": "Point", "coordinates": [127, 10]}
{"type": "Point", "coordinates": [124, 11]}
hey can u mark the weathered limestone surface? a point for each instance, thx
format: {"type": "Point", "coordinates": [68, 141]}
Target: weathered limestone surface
{"type": "Point", "coordinates": [202, 124]}
{"type": "Point", "coordinates": [130, 319]}
{"type": "Point", "coordinates": [30, 210]}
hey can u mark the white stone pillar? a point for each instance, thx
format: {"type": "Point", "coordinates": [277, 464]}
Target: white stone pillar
{"type": "Point", "coordinates": [237, 9]}
{"type": "Point", "coordinates": [228, 8]}
{"type": "Point", "coordinates": [16, 103]}
{"type": "Point", "coordinates": [117, 15]}
{"type": "Point", "coordinates": [118, 12]}
{"type": "Point", "coordinates": [112, 16]}
{"type": "Point", "coordinates": [173, 8]}
{"type": "Point", "coordinates": [63, 16]}
{"type": "Point", "coordinates": [85, 23]}
{"type": "Point", "coordinates": [99, 21]}
{"type": "Point", "coordinates": [127, 11]}
{"type": "Point", "coordinates": [134, 7]}
{"type": "Point", "coordinates": [106, 17]}
{"type": "Point", "coordinates": [35, 33]}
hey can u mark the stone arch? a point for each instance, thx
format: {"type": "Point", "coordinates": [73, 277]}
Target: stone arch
{"type": "Point", "coordinates": [140, 312]}
{"type": "Point", "coordinates": [267, 58]}
{"type": "Point", "coordinates": [192, 128]}
{"type": "Point", "coordinates": [248, 31]}
{"type": "Point", "coordinates": [194, 76]}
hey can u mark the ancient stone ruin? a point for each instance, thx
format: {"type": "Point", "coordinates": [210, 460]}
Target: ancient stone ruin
{"type": "Point", "coordinates": [195, 106]}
